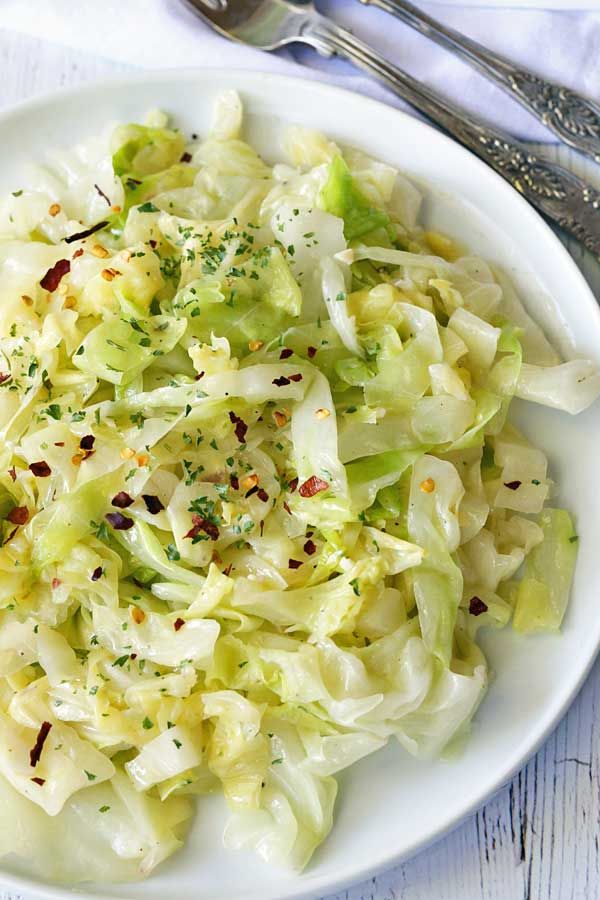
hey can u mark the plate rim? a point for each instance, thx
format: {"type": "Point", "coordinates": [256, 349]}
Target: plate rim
{"type": "Point", "coordinates": [309, 886]}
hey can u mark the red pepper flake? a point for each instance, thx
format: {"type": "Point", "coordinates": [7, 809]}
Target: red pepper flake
{"type": "Point", "coordinates": [312, 351]}
{"type": "Point", "coordinates": [56, 583]}
{"type": "Point", "coordinates": [178, 623]}
{"type": "Point", "coordinates": [87, 442]}
{"type": "Point", "coordinates": [310, 547]}
{"type": "Point", "coordinates": [281, 381]}
{"type": "Point", "coordinates": [11, 536]}
{"type": "Point", "coordinates": [153, 504]}
{"type": "Point", "coordinates": [40, 469]}
{"type": "Point", "coordinates": [512, 485]}
{"type": "Point", "coordinates": [19, 515]}
{"type": "Point", "coordinates": [234, 482]}
{"type": "Point", "coordinates": [204, 525]}
{"type": "Point", "coordinates": [97, 573]}
{"type": "Point", "coordinates": [121, 500]}
{"type": "Point", "coordinates": [294, 563]}
{"type": "Point", "coordinates": [261, 526]}
{"type": "Point", "coordinates": [118, 521]}
{"type": "Point", "coordinates": [199, 376]}
{"type": "Point", "coordinates": [227, 571]}
{"type": "Point", "coordinates": [78, 253]}
{"type": "Point", "coordinates": [313, 485]}
{"type": "Point", "coordinates": [287, 509]}
{"type": "Point", "coordinates": [262, 495]}
{"type": "Point", "coordinates": [59, 443]}
{"type": "Point", "coordinates": [240, 427]}
{"type": "Point", "coordinates": [132, 656]}
{"type": "Point", "coordinates": [13, 473]}
{"type": "Point", "coordinates": [80, 235]}
{"type": "Point", "coordinates": [296, 377]}
{"type": "Point", "coordinates": [186, 157]}
{"type": "Point", "coordinates": [253, 490]}
{"type": "Point", "coordinates": [152, 242]}
{"type": "Point", "coordinates": [36, 750]}
{"type": "Point", "coordinates": [4, 376]}
{"type": "Point", "coordinates": [54, 275]}
{"type": "Point", "coordinates": [286, 353]}
{"type": "Point", "coordinates": [293, 485]}
{"type": "Point", "coordinates": [40, 781]}
{"type": "Point", "coordinates": [477, 606]}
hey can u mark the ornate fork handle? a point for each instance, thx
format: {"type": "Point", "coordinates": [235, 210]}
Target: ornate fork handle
{"type": "Point", "coordinates": [573, 118]}
{"type": "Point", "coordinates": [561, 196]}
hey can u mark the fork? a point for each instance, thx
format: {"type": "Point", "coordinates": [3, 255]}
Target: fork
{"type": "Point", "coordinates": [560, 195]}
{"type": "Point", "coordinates": [574, 119]}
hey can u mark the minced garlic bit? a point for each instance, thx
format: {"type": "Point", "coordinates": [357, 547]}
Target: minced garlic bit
{"type": "Point", "coordinates": [26, 300]}
{"type": "Point", "coordinates": [99, 251]}
{"type": "Point", "coordinates": [138, 615]}
{"type": "Point", "coordinates": [63, 289]}
{"type": "Point", "coordinates": [280, 418]}
{"type": "Point", "coordinates": [109, 274]}
{"type": "Point", "coordinates": [127, 453]}
{"type": "Point", "coordinates": [126, 254]}
{"type": "Point", "coordinates": [70, 302]}
{"type": "Point", "coordinates": [54, 209]}
{"type": "Point", "coordinates": [322, 413]}
{"type": "Point", "coordinates": [255, 345]}
{"type": "Point", "coordinates": [427, 486]}
{"type": "Point", "coordinates": [249, 481]}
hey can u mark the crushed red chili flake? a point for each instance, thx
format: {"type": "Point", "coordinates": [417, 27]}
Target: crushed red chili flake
{"type": "Point", "coordinates": [59, 443]}
{"type": "Point", "coordinates": [153, 504]}
{"type": "Point", "coordinates": [54, 275]}
{"type": "Point", "coordinates": [4, 377]}
{"type": "Point", "coordinates": [253, 490]}
{"type": "Point", "coordinates": [240, 427]}
{"type": "Point", "coordinates": [56, 583]}
{"type": "Point", "coordinates": [227, 571]}
{"type": "Point", "coordinates": [294, 563]}
{"type": "Point", "coordinates": [11, 536]}
{"type": "Point", "coordinates": [132, 656]}
{"type": "Point", "coordinates": [118, 521]}
{"type": "Point", "coordinates": [477, 606]}
{"type": "Point", "coordinates": [19, 515]}
{"type": "Point", "coordinates": [40, 781]}
{"type": "Point", "coordinates": [286, 353]}
{"type": "Point", "coordinates": [199, 376]}
{"type": "Point", "coordinates": [313, 485]}
{"type": "Point", "coordinates": [281, 381]}
{"type": "Point", "coordinates": [296, 377]}
{"type": "Point", "coordinates": [36, 750]}
{"type": "Point", "coordinates": [40, 469]}
{"type": "Point", "coordinates": [204, 525]}
{"type": "Point", "coordinates": [310, 547]}
{"type": "Point", "coordinates": [186, 157]}
{"type": "Point", "coordinates": [293, 484]}
{"type": "Point", "coordinates": [13, 473]}
{"type": "Point", "coordinates": [78, 253]}
{"type": "Point", "coordinates": [80, 235]}
{"type": "Point", "coordinates": [261, 525]}
{"type": "Point", "coordinates": [287, 509]}
{"type": "Point", "coordinates": [97, 573]}
{"type": "Point", "coordinates": [262, 495]}
{"type": "Point", "coordinates": [312, 351]}
{"type": "Point", "coordinates": [121, 500]}
{"type": "Point", "coordinates": [234, 482]}
{"type": "Point", "coordinates": [178, 623]}
{"type": "Point", "coordinates": [87, 442]}
{"type": "Point", "coordinates": [153, 243]}
{"type": "Point", "coordinates": [512, 485]}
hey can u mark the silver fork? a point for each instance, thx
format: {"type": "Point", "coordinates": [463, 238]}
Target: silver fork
{"type": "Point", "coordinates": [557, 193]}
{"type": "Point", "coordinates": [574, 119]}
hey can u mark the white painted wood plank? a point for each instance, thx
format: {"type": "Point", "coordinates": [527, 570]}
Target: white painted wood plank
{"type": "Point", "coordinates": [537, 839]}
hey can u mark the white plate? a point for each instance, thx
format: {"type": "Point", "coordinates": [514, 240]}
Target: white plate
{"type": "Point", "coordinates": [390, 805]}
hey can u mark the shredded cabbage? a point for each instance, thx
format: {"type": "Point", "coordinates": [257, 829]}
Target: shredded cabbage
{"type": "Point", "coordinates": [258, 489]}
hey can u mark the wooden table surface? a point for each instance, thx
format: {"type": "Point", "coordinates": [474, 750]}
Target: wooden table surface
{"type": "Point", "coordinates": [538, 838]}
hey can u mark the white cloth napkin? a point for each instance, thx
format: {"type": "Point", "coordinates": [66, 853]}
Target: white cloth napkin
{"type": "Point", "coordinates": [561, 45]}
